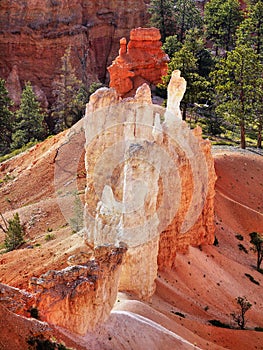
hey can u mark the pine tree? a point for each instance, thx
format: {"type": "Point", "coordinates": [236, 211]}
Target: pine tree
{"type": "Point", "coordinates": [237, 79]}
{"type": "Point", "coordinates": [29, 119]}
{"type": "Point", "coordinates": [250, 31]}
{"type": "Point", "coordinates": [162, 17]}
{"type": "Point", "coordinates": [187, 16]}
{"type": "Point", "coordinates": [70, 96]}
{"type": "Point", "coordinates": [14, 236]}
{"type": "Point", "coordinates": [222, 18]}
{"type": "Point", "coordinates": [6, 119]}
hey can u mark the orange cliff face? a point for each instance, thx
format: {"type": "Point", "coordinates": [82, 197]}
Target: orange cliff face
{"type": "Point", "coordinates": [34, 36]}
{"type": "Point", "coordinates": [141, 61]}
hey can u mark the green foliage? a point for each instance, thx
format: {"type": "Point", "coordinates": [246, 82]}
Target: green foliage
{"type": "Point", "coordinates": [218, 323]}
{"type": "Point", "coordinates": [70, 96]}
{"type": "Point", "coordinates": [34, 313]}
{"type": "Point", "coordinates": [29, 119]}
{"type": "Point", "coordinates": [162, 16]}
{"type": "Point", "coordinates": [242, 248]}
{"type": "Point", "coordinates": [239, 317]}
{"type": "Point", "coordinates": [222, 18]}
{"type": "Point", "coordinates": [6, 119]}
{"type": "Point", "coordinates": [174, 17]}
{"type": "Point", "coordinates": [239, 237]}
{"type": "Point", "coordinates": [94, 86]}
{"type": "Point", "coordinates": [14, 235]}
{"type": "Point", "coordinates": [238, 86]}
{"type": "Point", "coordinates": [256, 240]}
{"type": "Point", "coordinates": [216, 243]}
{"type": "Point", "coordinates": [40, 343]}
{"type": "Point", "coordinates": [171, 45]}
{"type": "Point", "coordinates": [187, 16]}
{"type": "Point", "coordinates": [250, 31]}
{"type": "Point", "coordinates": [17, 151]}
{"type": "Point", "coordinates": [178, 313]}
{"type": "Point", "coordinates": [49, 237]}
{"type": "Point", "coordinates": [252, 279]}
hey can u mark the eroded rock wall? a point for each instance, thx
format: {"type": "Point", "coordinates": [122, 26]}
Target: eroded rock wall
{"type": "Point", "coordinates": [34, 35]}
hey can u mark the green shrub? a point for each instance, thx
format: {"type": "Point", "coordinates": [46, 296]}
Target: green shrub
{"type": "Point", "coordinates": [218, 323]}
{"type": "Point", "coordinates": [242, 248]}
{"type": "Point", "coordinates": [239, 237]}
{"type": "Point", "coordinates": [49, 237]}
{"type": "Point", "coordinates": [178, 313]}
{"type": "Point", "coordinates": [252, 279]}
{"type": "Point", "coordinates": [40, 343]}
{"type": "Point", "coordinates": [14, 235]}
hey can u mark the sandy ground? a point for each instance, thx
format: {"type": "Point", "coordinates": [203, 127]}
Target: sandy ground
{"type": "Point", "coordinates": [202, 287]}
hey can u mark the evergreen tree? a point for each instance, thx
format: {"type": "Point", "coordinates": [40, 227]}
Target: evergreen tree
{"type": "Point", "coordinates": [6, 119]}
{"type": "Point", "coordinates": [222, 18]}
{"type": "Point", "coordinates": [162, 17]}
{"type": "Point", "coordinates": [14, 235]}
{"type": "Point", "coordinates": [237, 79]}
{"type": "Point", "coordinates": [195, 42]}
{"type": "Point", "coordinates": [187, 16]}
{"type": "Point", "coordinates": [171, 45]}
{"type": "Point", "coordinates": [29, 119]}
{"type": "Point", "coordinates": [250, 31]}
{"type": "Point", "coordinates": [70, 96]}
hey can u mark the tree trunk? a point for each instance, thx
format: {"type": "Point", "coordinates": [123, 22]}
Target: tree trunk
{"type": "Point", "coordinates": [242, 135]}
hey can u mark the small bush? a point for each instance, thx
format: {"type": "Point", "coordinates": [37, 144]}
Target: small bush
{"type": "Point", "coordinates": [239, 237]}
{"type": "Point", "coordinates": [49, 237]}
{"type": "Point", "coordinates": [259, 329]}
{"type": "Point", "coordinates": [252, 279]}
{"type": "Point", "coordinates": [242, 248]}
{"type": "Point", "coordinates": [39, 343]}
{"type": "Point", "coordinates": [218, 323]}
{"type": "Point", "coordinates": [216, 243]}
{"type": "Point", "coordinates": [34, 313]}
{"type": "Point", "coordinates": [178, 313]}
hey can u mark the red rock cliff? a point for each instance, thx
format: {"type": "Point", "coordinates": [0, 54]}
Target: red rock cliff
{"type": "Point", "coordinates": [35, 34]}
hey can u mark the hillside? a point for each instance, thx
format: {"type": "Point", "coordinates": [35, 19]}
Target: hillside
{"type": "Point", "coordinates": [202, 286]}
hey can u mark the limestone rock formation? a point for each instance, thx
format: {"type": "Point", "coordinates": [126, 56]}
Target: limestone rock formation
{"type": "Point", "coordinates": [37, 33]}
{"type": "Point", "coordinates": [150, 182]}
{"type": "Point", "coordinates": [141, 61]}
